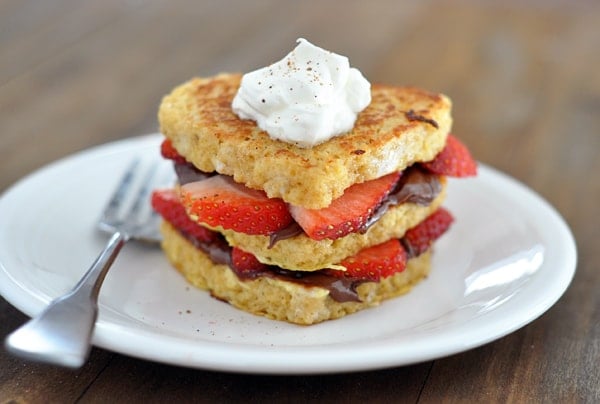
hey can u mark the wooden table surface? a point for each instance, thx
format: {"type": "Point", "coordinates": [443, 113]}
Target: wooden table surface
{"type": "Point", "coordinates": [525, 81]}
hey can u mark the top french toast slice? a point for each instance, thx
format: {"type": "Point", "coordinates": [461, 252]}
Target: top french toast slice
{"type": "Point", "coordinates": [401, 126]}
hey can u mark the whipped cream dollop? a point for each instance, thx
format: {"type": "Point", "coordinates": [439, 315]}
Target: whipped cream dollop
{"type": "Point", "coordinates": [306, 98]}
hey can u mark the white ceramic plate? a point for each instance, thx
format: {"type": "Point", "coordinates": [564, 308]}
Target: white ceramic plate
{"type": "Point", "coordinates": [507, 259]}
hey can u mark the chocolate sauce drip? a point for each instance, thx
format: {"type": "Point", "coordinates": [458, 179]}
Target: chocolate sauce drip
{"type": "Point", "coordinates": [415, 186]}
{"type": "Point", "coordinates": [411, 252]}
{"type": "Point", "coordinates": [411, 115]}
{"type": "Point", "coordinates": [340, 289]}
{"type": "Point", "coordinates": [290, 231]}
{"type": "Point", "coordinates": [218, 250]}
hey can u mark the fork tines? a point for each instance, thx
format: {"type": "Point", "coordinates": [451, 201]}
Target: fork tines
{"type": "Point", "coordinates": [130, 201]}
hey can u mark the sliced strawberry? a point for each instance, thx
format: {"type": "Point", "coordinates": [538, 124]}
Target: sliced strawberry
{"type": "Point", "coordinates": [347, 213]}
{"type": "Point", "coordinates": [243, 262]}
{"type": "Point", "coordinates": [454, 160]}
{"type": "Point", "coordinates": [374, 263]}
{"type": "Point", "coordinates": [168, 151]}
{"type": "Point", "coordinates": [166, 203]}
{"type": "Point", "coordinates": [420, 238]}
{"type": "Point", "coordinates": [219, 201]}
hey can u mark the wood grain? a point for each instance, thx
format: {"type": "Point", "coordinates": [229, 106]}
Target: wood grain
{"type": "Point", "coordinates": [525, 83]}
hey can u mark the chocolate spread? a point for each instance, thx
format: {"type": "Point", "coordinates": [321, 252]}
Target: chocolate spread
{"type": "Point", "coordinates": [290, 231]}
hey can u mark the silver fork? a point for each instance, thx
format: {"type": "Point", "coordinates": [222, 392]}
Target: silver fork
{"type": "Point", "coordinates": [62, 333]}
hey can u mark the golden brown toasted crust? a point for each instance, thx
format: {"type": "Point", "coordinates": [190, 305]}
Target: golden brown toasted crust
{"type": "Point", "coordinates": [277, 299]}
{"type": "Point", "coordinates": [401, 126]}
{"type": "Point", "coordinates": [302, 253]}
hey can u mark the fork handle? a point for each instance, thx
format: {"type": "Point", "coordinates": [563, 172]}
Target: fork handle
{"type": "Point", "coordinates": [61, 334]}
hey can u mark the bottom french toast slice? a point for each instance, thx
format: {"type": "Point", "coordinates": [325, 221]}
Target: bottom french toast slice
{"type": "Point", "coordinates": [281, 299]}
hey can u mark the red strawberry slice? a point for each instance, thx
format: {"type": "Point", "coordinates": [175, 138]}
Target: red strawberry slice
{"type": "Point", "coordinates": [244, 263]}
{"type": "Point", "coordinates": [374, 263]}
{"type": "Point", "coordinates": [420, 238]}
{"type": "Point", "coordinates": [347, 213]}
{"type": "Point", "coordinates": [166, 203]}
{"type": "Point", "coordinates": [454, 160]}
{"type": "Point", "coordinates": [168, 151]}
{"type": "Point", "coordinates": [219, 201]}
